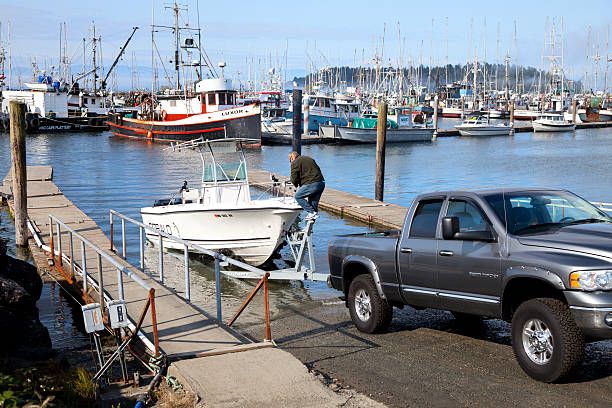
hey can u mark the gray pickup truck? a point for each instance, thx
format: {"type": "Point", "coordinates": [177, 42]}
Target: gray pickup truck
{"type": "Point", "coordinates": [538, 258]}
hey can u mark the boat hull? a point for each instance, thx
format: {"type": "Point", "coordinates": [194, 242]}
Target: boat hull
{"type": "Point", "coordinates": [243, 122]}
{"type": "Point", "coordinates": [251, 232]}
{"type": "Point", "coordinates": [369, 135]}
{"type": "Point", "coordinates": [484, 130]}
{"type": "Point", "coordinates": [547, 126]}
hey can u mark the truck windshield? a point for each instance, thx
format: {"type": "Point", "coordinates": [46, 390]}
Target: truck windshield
{"type": "Point", "coordinates": [526, 212]}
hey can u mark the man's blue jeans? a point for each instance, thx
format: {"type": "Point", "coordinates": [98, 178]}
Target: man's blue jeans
{"type": "Point", "coordinates": [308, 196]}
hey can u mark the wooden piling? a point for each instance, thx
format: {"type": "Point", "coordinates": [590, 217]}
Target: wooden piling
{"type": "Point", "coordinates": [512, 113]}
{"type": "Point", "coordinates": [381, 135]}
{"type": "Point", "coordinates": [574, 110]}
{"type": "Point", "coordinates": [462, 107]}
{"type": "Point", "coordinates": [18, 154]}
{"type": "Point", "coordinates": [296, 141]}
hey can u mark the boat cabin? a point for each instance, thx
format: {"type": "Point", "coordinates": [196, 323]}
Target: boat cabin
{"type": "Point", "coordinates": [212, 95]}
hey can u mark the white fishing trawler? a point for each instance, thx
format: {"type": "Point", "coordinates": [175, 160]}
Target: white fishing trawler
{"type": "Point", "coordinates": [221, 215]}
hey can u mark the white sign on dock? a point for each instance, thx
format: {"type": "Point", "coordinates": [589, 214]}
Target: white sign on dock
{"type": "Point", "coordinates": [118, 314]}
{"type": "Point", "coordinates": [92, 317]}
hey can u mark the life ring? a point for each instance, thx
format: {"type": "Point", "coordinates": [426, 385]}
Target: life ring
{"type": "Point", "coordinates": [149, 135]}
{"type": "Point", "coordinates": [164, 115]}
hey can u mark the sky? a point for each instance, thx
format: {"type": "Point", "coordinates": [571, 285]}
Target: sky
{"type": "Point", "coordinates": [251, 37]}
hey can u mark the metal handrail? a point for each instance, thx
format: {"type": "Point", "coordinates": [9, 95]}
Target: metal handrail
{"type": "Point", "coordinates": [121, 270]}
{"type": "Point", "coordinates": [218, 257]}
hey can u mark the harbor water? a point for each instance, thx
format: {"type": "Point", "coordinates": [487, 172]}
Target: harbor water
{"type": "Point", "coordinates": [98, 171]}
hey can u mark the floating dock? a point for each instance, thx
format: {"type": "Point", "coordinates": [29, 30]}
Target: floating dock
{"type": "Point", "coordinates": [366, 210]}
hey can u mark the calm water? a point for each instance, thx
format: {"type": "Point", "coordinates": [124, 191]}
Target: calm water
{"type": "Point", "coordinates": [98, 172]}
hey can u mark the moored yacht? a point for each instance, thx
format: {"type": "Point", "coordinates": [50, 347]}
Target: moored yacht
{"type": "Point", "coordinates": [552, 122]}
{"type": "Point", "coordinates": [479, 126]}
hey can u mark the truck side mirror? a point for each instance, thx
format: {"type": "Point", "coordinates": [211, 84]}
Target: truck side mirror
{"type": "Point", "coordinates": [450, 226]}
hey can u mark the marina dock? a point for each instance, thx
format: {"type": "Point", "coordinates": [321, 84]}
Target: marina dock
{"type": "Point", "coordinates": [367, 210]}
{"type": "Point", "coordinates": [217, 364]}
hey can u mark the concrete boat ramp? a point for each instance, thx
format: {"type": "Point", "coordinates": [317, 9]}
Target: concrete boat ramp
{"type": "Point", "coordinates": [217, 364]}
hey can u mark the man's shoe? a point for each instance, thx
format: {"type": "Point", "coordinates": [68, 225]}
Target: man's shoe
{"type": "Point", "coordinates": [312, 216]}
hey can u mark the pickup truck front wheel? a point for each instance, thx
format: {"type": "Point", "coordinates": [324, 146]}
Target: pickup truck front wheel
{"type": "Point", "coordinates": [546, 341]}
{"type": "Point", "coordinates": [369, 312]}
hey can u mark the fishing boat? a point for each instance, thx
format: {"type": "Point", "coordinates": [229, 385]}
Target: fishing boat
{"type": "Point", "coordinates": [364, 129]}
{"type": "Point", "coordinates": [221, 215]}
{"type": "Point", "coordinates": [479, 126]}
{"type": "Point", "coordinates": [210, 112]}
{"type": "Point", "coordinates": [190, 108]}
{"type": "Point", "coordinates": [552, 122]}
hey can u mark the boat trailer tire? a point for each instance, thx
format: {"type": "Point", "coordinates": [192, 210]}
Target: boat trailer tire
{"type": "Point", "coordinates": [546, 341]}
{"type": "Point", "coordinates": [369, 312]}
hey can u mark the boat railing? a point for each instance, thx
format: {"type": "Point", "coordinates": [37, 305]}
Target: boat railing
{"type": "Point", "coordinates": [277, 189]}
{"type": "Point", "coordinates": [88, 280]}
{"type": "Point", "coordinates": [219, 259]}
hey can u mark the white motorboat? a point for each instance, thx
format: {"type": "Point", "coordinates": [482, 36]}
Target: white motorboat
{"type": "Point", "coordinates": [552, 122]}
{"type": "Point", "coordinates": [221, 215]}
{"type": "Point", "coordinates": [478, 126]}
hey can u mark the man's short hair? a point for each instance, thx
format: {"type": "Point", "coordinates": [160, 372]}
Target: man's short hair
{"type": "Point", "coordinates": [294, 153]}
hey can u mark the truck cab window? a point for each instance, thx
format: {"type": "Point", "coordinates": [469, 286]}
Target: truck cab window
{"type": "Point", "coordinates": [426, 219]}
{"type": "Point", "coordinates": [470, 219]}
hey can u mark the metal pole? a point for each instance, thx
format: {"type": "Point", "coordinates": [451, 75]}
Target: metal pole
{"type": "Point", "coordinates": [142, 265]}
{"type": "Point", "coordinates": [296, 142]}
{"type": "Point", "coordinates": [187, 276]}
{"type": "Point", "coordinates": [267, 307]}
{"type": "Point", "coordinates": [381, 134]}
{"type": "Point", "coordinates": [59, 245]}
{"type": "Point", "coordinates": [161, 259]}
{"type": "Point", "coordinates": [154, 322]}
{"type": "Point", "coordinates": [218, 288]}
{"type": "Point", "coordinates": [435, 118]}
{"type": "Point", "coordinates": [101, 283]}
{"type": "Point", "coordinates": [123, 237]}
{"type": "Point", "coordinates": [71, 242]}
{"type": "Point", "coordinates": [111, 232]}
{"type": "Point", "coordinates": [306, 109]}
{"type": "Point", "coordinates": [51, 239]}
{"type": "Point", "coordinates": [84, 266]}
{"type": "Point", "coordinates": [121, 293]}
{"type": "Point", "coordinates": [18, 166]}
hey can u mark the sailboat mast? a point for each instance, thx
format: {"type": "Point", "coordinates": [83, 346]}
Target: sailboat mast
{"type": "Point", "coordinates": [516, 81]}
{"type": "Point", "coordinates": [176, 45]}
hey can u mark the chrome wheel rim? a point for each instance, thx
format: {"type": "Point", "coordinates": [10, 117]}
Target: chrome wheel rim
{"type": "Point", "coordinates": [537, 341]}
{"type": "Point", "coordinates": [363, 305]}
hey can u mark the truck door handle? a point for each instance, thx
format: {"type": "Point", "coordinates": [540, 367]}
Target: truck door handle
{"type": "Point", "coordinates": [406, 250]}
{"type": "Point", "coordinates": [446, 253]}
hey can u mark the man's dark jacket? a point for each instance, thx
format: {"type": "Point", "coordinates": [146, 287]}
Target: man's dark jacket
{"type": "Point", "coordinates": [304, 171]}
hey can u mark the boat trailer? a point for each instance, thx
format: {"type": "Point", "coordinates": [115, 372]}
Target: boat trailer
{"type": "Point", "coordinates": [300, 242]}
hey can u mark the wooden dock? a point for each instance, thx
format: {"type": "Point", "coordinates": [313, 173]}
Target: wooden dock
{"type": "Point", "coordinates": [367, 210]}
{"type": "Point", "coordinates": [183, 330]}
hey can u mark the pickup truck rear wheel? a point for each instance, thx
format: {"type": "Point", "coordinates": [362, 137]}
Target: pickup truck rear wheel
{"type": "Point", "coordinates": [546, 341]}
{"type": "Point", "coordinates": [369, 312]}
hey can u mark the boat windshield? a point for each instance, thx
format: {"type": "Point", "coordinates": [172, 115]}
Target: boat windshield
{"type": "Point", "coordinates": [225, 172]}
{"type": "Point", "coordinates": [526, 212]}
